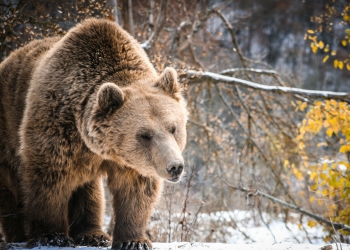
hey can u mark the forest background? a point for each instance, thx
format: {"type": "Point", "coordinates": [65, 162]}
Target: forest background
{"type": "Point", "coordinates": [268, 91]}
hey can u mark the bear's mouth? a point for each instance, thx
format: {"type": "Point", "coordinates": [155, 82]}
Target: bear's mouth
{"type": "Point", "coordinates": [174, 179]}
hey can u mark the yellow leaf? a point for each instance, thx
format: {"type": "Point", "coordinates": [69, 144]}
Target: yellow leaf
{"type": "Point", "coordinates": [299, 175]}
{"type": "Point", "coordinates": [333, 53]}
{"type": "Point", "coordinates": [320, 44]}
{"type": "Point", "coordinates": [303, 106]}
{"type": "Point", "coordinates": [312, 198]}
{"type": "Point", "coordinates": [310, 31]}
{"type": "Point", "coordinates": [324, 192]}
{"type": "Point", "coordinates": [344, 42]}
{"type": "Point", "coordinates": [326, 123]}
{"type": "Point", "coordinates": [335, 63]}
{"type": "Point", "coordinates": [322, 144]}
{"type": "Point", "coordinates": [319, 202]}
{"type": "Point", "coordinates": [348, 66]}
{"type": "Point", "coordinates": [313, 47]}
{"type": "Point", "coordinates": [312, 223]}
{"type": "Point", "coordinates": [329, 132]}
{"type": "Point", "coordinates": [301, 145]}
{"type": "Point", "coordinates": [344, 148]}
{"type": "Point", "coordinates": [340, 65]}
{"type": "Point", "coordinates": [325, 58]}
{"type": "Point", "coordinates": [299, 226]}
{"type": "Point", "coordinates": [312, 175]}
{"type": "Point", "coordinates": [326, 49]}
{"type": "Point", "coordinates": [314, 187]}
{"type": "Point", "coordinates": [286, 163]}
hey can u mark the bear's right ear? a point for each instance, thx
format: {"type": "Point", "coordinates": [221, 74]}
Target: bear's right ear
{"type": "Point", "coordinates": [109, 98]}
{"type": "Point", "coordinates": [168, 82]}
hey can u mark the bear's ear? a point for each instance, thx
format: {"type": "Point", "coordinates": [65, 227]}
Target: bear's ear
{"type": "Point", "coordinates": [109, 98]}
{"type": "Point", "coordinates": [168, 82]}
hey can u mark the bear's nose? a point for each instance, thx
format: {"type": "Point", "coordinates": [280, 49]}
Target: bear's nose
{"type": "Point", "coordinates": [175, 169]}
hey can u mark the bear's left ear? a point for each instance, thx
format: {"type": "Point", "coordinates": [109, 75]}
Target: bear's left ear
{"type": "Point", "coordinates": [109, 98]}
{"type": "Point", "coordinates": [168, 82]}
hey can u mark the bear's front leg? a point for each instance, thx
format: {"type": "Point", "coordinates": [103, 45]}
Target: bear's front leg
{"type": "Point", "coordinates": [86, 210]}
{"type": "Point", "coordinates": [133, 201]}
{"type": "Point", "coordinates": [46, 194]}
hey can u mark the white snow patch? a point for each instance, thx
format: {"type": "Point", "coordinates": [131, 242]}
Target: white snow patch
{"type": "Point", "coordinates": [208, 246]}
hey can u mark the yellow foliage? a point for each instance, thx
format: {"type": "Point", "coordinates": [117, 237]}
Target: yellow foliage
{"type": "Point", "coordinates": [316, 41]}
{"type": "Point", "coordinates": [312, 223]}
{"type": "Point", "coordinates": [329, 178]}
{"type": "Point", "coordinates": [344, 148]}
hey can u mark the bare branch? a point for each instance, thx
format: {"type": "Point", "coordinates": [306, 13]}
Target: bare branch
{"type": "Point", "coordinates": [128, 21]}
{"type": "Point", "coordinates": [195, 76]}
{"type": "Point", "coordinates": [159, 26]}
{"type": "Point", "coordinates": [232, 34]}
{"type": "Point", "coordinates": [254, 192]}
{"type": "Point", "coordinates": [210, 130]}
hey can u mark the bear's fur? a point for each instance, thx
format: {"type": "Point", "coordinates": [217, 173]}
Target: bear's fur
{"type": "Point", "coordinates": [71, 110]}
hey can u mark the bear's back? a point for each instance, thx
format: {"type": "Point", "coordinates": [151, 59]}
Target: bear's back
{"type": "Point", "coordinates": [15, 74]}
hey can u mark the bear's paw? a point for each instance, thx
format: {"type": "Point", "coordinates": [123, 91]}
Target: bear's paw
{"type": "Point", "coordinates": [97, 239]}
{"type": "Point", "coordinates": [54, 239]}
{"type": "Point", "coordinates": [132, 245]}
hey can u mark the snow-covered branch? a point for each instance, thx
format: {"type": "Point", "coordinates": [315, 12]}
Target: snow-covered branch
{"type": "Point", "coordinates": [254, 192]}
{"type": "Point", "coordinates": [197, 76]}
{"type": "Point", "coordinates": [250, 70]}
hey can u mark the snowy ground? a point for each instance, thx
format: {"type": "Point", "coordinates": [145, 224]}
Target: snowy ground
{"type": "Point", "coordinates": [211, 246]}
{"type": "Point", "coordinates": [248, 235]}
{"type": "Point", "coordinates": [242, 227]}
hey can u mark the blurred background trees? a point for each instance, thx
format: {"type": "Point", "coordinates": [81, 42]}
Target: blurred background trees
{"type": "Point", "coordinates": [294, 147]}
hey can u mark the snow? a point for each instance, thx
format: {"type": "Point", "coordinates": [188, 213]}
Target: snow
{"type": "Point", "coordinates": [210, 246]}
{"type": "Point", "coordinates": [277, 237]}
{"type": "Point", "coordinates": [245, 227]}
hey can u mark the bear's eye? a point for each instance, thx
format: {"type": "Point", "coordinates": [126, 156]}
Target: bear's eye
{"type": "Point", "coordinates": [146, 137]}
{"type": "Point", "coordinates": [173, 130]}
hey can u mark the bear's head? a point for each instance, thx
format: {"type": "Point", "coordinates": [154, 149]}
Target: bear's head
{"type": "Point", "coordinates": [142, 126]}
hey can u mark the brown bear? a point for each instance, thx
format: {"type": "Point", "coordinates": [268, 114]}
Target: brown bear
{"type": "Point", "coordinates": [73, 109]}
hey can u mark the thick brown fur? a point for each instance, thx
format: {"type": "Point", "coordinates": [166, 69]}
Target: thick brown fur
{"type": "Point", "coordinates": [71, 110]}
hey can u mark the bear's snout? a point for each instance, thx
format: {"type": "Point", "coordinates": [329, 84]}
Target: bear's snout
{"type": "Point", "coordinates": [175, 169]}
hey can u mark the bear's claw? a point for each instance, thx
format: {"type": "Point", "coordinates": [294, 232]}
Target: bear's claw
{"type": "Point", "coordinates": [93, 240]}
{"type": "Point", "coordinates": [131, 246]}
{"type": "Point", "coordinates": [54, 239]}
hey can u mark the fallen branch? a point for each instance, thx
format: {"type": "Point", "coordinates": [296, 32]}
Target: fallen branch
{"type": "Point", "coordinates": [254, 192]}
{"type": "Point", "coordinates": [197, 76]}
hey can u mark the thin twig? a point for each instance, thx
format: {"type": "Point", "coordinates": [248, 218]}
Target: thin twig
{"type": "Point", "coordinates": [294, 207]}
